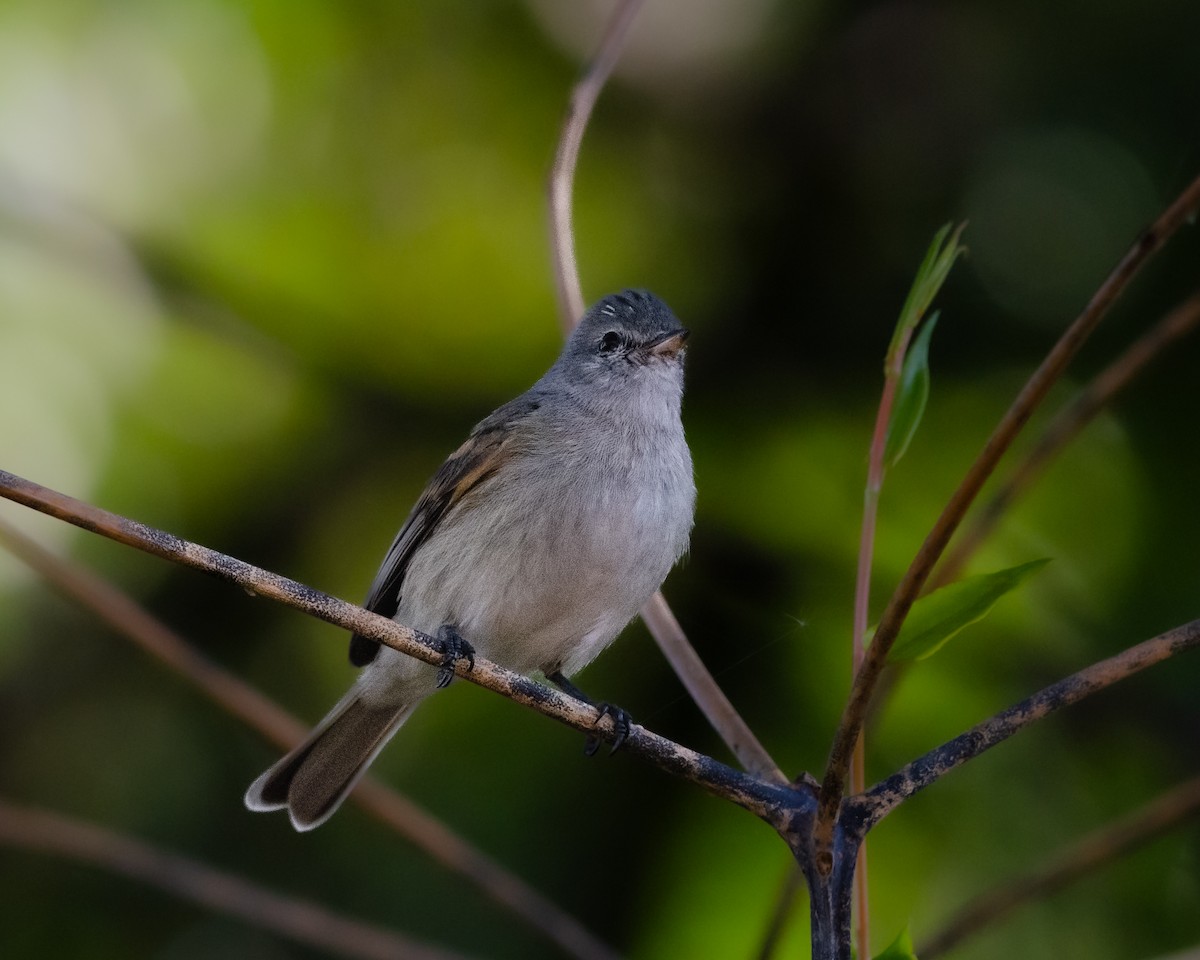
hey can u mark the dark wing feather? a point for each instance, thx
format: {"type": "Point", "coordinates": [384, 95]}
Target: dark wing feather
{"type": "Point", "coordinates": [488, 446]}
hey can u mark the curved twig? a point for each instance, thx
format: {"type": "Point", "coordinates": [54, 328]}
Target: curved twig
{"type": "Point", "coordinates": [773, 802]}
{"type": "Point", "coordinates": [1102, 846]}
{"type": "Point", "coordinates": [234, 695]}
{"type": "Point", "coordinates": [303, 921]}
{"type": "Point", "coordinates": [888, 794]}
{"type": "Point", "coordinates": [1032, 394]}
{"type": "Point", "coordinates": [562, 177]}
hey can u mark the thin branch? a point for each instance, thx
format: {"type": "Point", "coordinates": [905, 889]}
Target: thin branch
{"type": "Point", "coordinates": [1102, 846]}
{"type": "Point", "coordinates": [1031, 395]}
{"type": "Point", "coordinates": [1066, 426]}
{"type": "Point", "coordinates": [886, 795]}
{"type": "Point", "coordinates": [303, 921]}
{"type": "Point", "coordinates": [562, 178]}
{"type": "Point", "coordinates": [874, 488]}
{"type": "Point", "coordinates": [774, 803]}
{"type": "Point", "coordinates": [422, 829]}
{"type": "Point", "coordinates": [661, 622]}
{"type": "Point", "coordinates": [862, 607]}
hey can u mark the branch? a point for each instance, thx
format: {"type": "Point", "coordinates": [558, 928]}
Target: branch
{"type": "Point", "coordinates": [774, 803]}
{"type": "Point", "coordinates": [305, 922]}
{"type": "Point", "coordinates": [1096, 849]}
{"type": "Point", "coordinates": [422, 829]}
{"type": "Point", "coordinates": [1031, 396]}
{"type": "Point", "coordinates": [1067, 425]}
{"type": "Point", "coordinates": [886, 795]}
{"type": "Point", "coordinates": [562, 177]}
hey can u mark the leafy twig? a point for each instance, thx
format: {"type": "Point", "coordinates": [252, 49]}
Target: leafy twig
{"type": "Point", "coordinates": [127, 617]}
{"type": "Point", "coordinates": [888, 442]}
{"type": "Point", "coordinates": [303, 921]}
{"type": "Point", "coordinates": [1102, 846]}
{"type": "Point", "coordinates": [1030, 397]}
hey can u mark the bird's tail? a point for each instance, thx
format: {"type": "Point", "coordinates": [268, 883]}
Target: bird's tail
{"type": "Point", "coordinates": [313, 779]}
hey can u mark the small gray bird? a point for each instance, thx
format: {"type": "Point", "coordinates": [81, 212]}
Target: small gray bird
{"type": "Point", "coordinates": [535, 543]}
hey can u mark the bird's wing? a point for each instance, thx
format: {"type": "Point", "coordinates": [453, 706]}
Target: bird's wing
{"type": "Point", "coordinates": [483, 453]}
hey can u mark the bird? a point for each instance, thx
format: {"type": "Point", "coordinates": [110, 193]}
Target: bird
{"type": "Point", "coordinates": [534, 544]}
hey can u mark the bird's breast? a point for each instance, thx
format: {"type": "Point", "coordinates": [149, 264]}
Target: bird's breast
{"type": "Point", "coordinates": [558, 550]}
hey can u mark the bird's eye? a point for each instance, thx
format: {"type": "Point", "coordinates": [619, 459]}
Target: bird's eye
{"type": "Point", "coordinates": [610, 341]}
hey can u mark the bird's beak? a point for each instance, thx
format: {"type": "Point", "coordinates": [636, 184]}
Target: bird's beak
{"type": "Point", "coordinates": [669, 344]}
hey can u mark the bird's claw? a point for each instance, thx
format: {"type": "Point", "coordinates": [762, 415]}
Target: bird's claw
{"type": "Point", "coordinates": [622, 724]}
{"type": "Point", "coordinates": [454, 648]}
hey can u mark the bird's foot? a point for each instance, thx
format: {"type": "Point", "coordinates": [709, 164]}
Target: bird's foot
{"type": "Point", "coordinates": [622, 721]}
{"type": "Point", "coordinates": [622, 724]}
{"type": "Point", "coordinates": [454, 648]}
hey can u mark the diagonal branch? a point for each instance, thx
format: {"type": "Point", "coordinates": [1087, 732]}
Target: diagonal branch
{"type": "Point", "coordinates": [303, 921]}
{"type": "Point", "coordinates": [888, 794]}
{"type": "Point", "coordinates": [257, 711]}
{"type": "Point", "coordinates": [773, 802]}
{"type": "Point", "coordinates": [1066, 426]}
{"type": "Point", "coordinates": [659, 619]}
{"type": "Point", "coordinates": [1102, 846]}
{"type": "Point", "coordinates": [1031, 396]}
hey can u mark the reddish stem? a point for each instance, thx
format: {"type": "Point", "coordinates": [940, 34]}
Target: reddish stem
{"type": "Point", "coordinates": [862, 604]}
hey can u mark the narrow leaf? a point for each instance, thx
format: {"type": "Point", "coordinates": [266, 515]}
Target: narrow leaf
{"type": "Point", "coordinates": [931, 274]}
{"type": "Point", "coordinates": [899, 949]}
{"type": "Point", "coordinates": [910, 312]}
{"type": "Point", "coordinates": [936, 618]}
{"type": "Point", "coordinates": [911, 395]}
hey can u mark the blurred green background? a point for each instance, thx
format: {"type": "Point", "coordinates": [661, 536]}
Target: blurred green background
{"type": "Point", "coordinates": [264, 263]}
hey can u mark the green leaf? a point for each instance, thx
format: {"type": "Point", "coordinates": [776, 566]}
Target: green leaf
{"type": "Point", "coordinates": [936, 618]}
{"type": "Point", "coordinates": [931, 274]}
{"type": "Point", "coordinates": [911, 396]}
{"type": "Point", "coordinates": [899, 949]}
